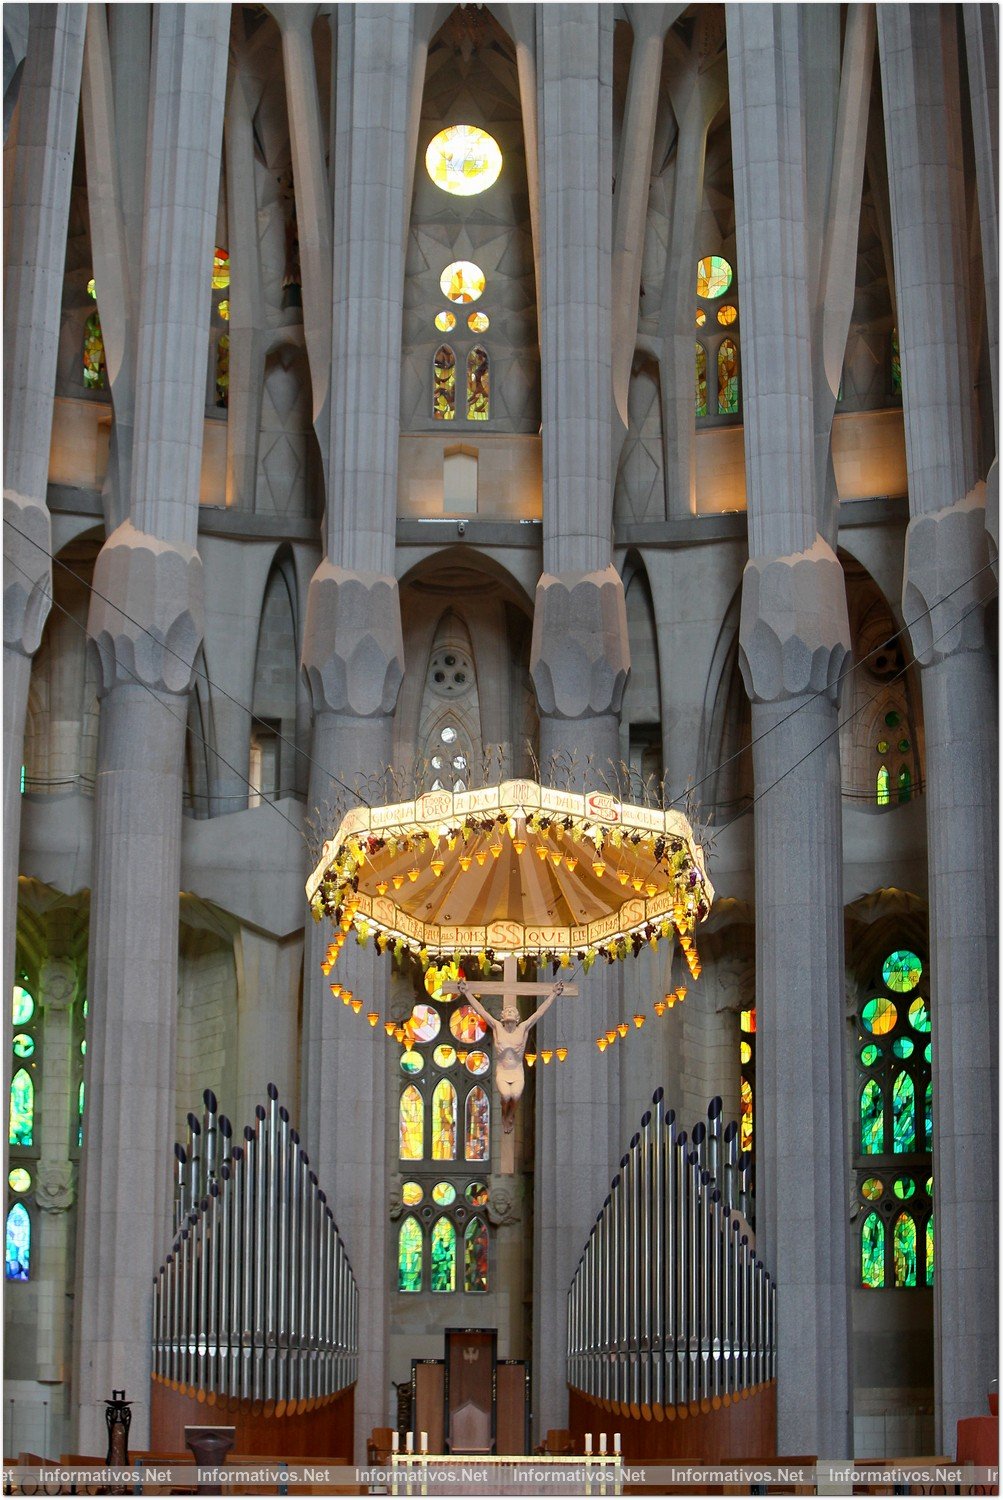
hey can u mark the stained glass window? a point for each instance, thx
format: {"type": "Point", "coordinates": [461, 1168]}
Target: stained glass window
{"type": "Point", "coordinates": [883, 794]}
{"type": "Point", "coordinates": [872, 1119]}
{"type": "Point", "coordinates": [478, 385]}
{"type": "Point", "coordinates": [23, 1044]}
{"type": "Point", "coordinates": [903, 1047]}
{"type": "Point", "coordinates": [444, 1194]}
{"type": "Point", "coordinates": [444, 1056]}
{"type": "Point", "coordinates": [475, 1257]}
{"type": "Point", "coordinates": [462, 281]}
{"type": "Point", "coordinates": [727, 315]}
{"type": "Point", "coordinates": [701, 380]}
{"type": "Point", "coordinates": [714, 276]}
{"type": "Point", "coordinates": [223, 370]}
{"type": "Point", "coordinates": [409, 1246]}
{"type": "Point", "coordinates": [928, 1116]}
{"type": "Point", "coordinates": [476, 1194]}
{"type": "Point", "coordinates": [869, 1055]}
{"type": "Point", "coordinates": [477, 1063]}
{"type": "Point", "coordinates": [701, 317]}
{"type": "Point", "coordinates": [896, 364]}
{"type": "Point", "coordinates": [879, 1016]}
{"type": "Point", "coordinates": [904, 1247]}
{"type": "Point", "coordinates": [727, 378]}
{"type": "Point", "coordinates": [411, 1194]}
{"type": "Point", "coordinates": [919, 1016]}
{"type": "Point", "coordinates": [478, 322]}
{"type": "Point", "coordinates": [443, 1277]}
{"type": "Point", "coordinates": [411, 1063]}
{"type": "Point", "coordinates": [220, 269]}
{"type": "Point", "coordinates": [905, 784]}
{"type": "Point", "coordinates": [425, 1023]}
{"type": "Point", "coordinates": [463, 160]}
{"type": "Point", "coordinates": [443, 1121]}
{"type": "Point", "coordinates": [445, 321]}
{"type": "Point", "coordinates": [80, 1114]}
{"type": "Point", "coordinates": [19, 1180]}
{"type": "Point", "coordinates": [872, 1251]}
{"type": "Point", "coordinates": [22, 1006]}
{"type": "Point", "coordinates": [93, 354]}
{"type": "Point", "coordinates": [903, 1187]}
{"type": "Point", "coordinates": [929, 1251]}
{"type": "Point", "coordinates": [17, 1251]}
{"type": "Point", "coordinates": [22, 1109]}
{"type": "Point", "coordinates": [477, 1135]}
{"type": "Point", "coordinates": [904, 1113]}
{"type": "Point", "coordinates": [745, 1138]}
{"type": "Point", "coordinates": [466, 1025]}
{"type": "Point", "coordinates": [444, 393]}
{"type": "Point", "coordinates": [872, 1189]}
{"type": "Point", "coordinates": [412, 1124]}
{"type": "Point", "coordinates": [902, 971]}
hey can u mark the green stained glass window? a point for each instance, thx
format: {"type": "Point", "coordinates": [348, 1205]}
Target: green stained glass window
{"type": "Point", "coordinates": [903, 1047]}
{"type": "Point", "coordinates": [882, 787]}
{"type": "Point", "coordinates": [878, 1016]}
{"type": "Point", "coordinates": [872, 1252]}
{"type": "Point", "coordinates": [903, 1187]}
{"type": "Point", "coordinates": [23, 1044]}
{"type": "Point", "coordinates": [727, 378]}
{"type": "Point", "coordinates": [19, 1180]}
{"type": "Point", "coordinates": [904, 1250]}
{"type": "Point", "coordinates": [478, 385]}
{"type": "Point", "coordinates": [904, 746]}
{"type": "Point", "coordinates": [928, 1052]}
{"type": "Point", "coordinates": [93, 354]}
{"type": "Point", "coordinates": [869, 1055]}
{"type": "Point", "coordinates": [444, 384]}
{"type": "Point", "coordinates": [23, 1007]}
{"type": "Point", "coordinates": [904, 1113]}
{"type": "Point", "coordinates": [475, 1256]}
{"type": "Point", "coordinates": [411, 1062]}
{"type": "Point", "coordinates": [701, 380]}
{"type": "Point", "coordinates": [443, 1277]}
{"type": "Point", "coordinates": [21, 1131]}
{"type": "Point", "coordinates": [443, 1121]}
{"type": "Point", "coordinates": [409, 1256]}
{"type": "Point", "coordinates": [892, 719]}
{"type": "Point", "coordinates": [476, 1194]}
{"type": "Point", "coordinates": [905, 784]}
{"type": "Point", "coordinates": [919, 1015]}
{"type": "Point", "coordinates": [412, 1124]}
{"type": "Point", "coordinates": [896, 364]}
{"type": "Point", "coordinates": [929, 1186]}
{"type": "Point", "coordinates": [714, 276]}
{"type": "Point", "coordinates": [444, 1194]}
{"type": "Point", "coordinates": [929, 1251]}
{"type": "Point", "coordinates": [17, 1244]}
{"type": "Point", "coordinates": [928, 1116]}
{"type": "Point", "coordinates": [902, 971]}
{"type": "Point", "coordinates": [478, 1121]}
{"type": "Point", "coordinates": [872, 1119]}
{"type": "Point", "coordinates": [80, 1114]}
{"type": "Point", "coordinates": [872, 1189]}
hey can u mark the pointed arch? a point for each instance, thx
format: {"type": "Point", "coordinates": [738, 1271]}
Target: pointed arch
{"type": "Point", "coordinates": [700, 390]}
{"type": "Point", "coordinates": [478, 385]}
{"type": "Point", "coordinates": [443, 1269]}
{"type": "Point", "coordinates": [410, 1245]}
{"type": "Point", "coordinates": [444, 384]}
{"type": "Point", "coordinates": [904, 1250]}
{"type": "Point", "coordinates": [727, 378]}
{"type": "Point", "coordinates": [21, 1124]}
{"type": "Point", "coordinates": [477, 1126]}
{"type": "Point", "coordinates": [411, 1124]}
{"type": "Point", "coordinates": [641, 711]}
{"type": "Point", "coordinates": [475, 1256]}
{"type": "Point", "coordinates": [443, 1121]}
{"type": "Point", "coordinates": [872, 1251]}
{"type": "Point", "coordinates": [17, 1244]}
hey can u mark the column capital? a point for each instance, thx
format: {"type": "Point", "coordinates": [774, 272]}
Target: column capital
{"type": "Point", "coordinates": [794, 635]}
{"type": "Point", "coordinates": [947, 580]}
{"type": "Point", "coordinates": [580, 654]}
{"type": "Point", "coordinates": [27, 580]}
{"type": "Point", "coordinates": [353, 646]}
{"type": "Point", "coordinates": [146, 614]}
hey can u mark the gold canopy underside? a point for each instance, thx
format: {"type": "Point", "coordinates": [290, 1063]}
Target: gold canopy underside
{"type": "Point", "coordinates": [517, 869]}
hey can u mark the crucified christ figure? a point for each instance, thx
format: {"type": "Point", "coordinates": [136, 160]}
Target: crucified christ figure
{"type": "Point", "coordinates": [510, 1036]}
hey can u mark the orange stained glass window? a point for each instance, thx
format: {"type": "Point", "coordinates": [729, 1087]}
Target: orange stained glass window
{"type": "Point", "coordinates": [745, 1136]}
{"type": "Point", "coordinates": [444, 395]}
{"type": "Point", "coordinates": [444, 1121]}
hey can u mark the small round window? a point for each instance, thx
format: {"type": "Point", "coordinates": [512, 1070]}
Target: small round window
{"type": "Point", "coordinates": [462, 281]}
{"type": "Point", "coordinates": [714, 276]}
{"type": "Point", "coordinates": [463, 160]}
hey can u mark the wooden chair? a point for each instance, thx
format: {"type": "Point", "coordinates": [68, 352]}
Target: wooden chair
{"type": "Point", "coordinates": [558, 1442]}
{"type": "Point", "coordinates": [380, 1445]}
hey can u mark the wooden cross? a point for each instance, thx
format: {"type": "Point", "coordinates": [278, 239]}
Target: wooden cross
{"type": "Point", "coordinates": [510, 989]}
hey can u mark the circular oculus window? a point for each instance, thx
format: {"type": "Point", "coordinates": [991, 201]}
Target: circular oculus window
{"type": "Point", "coordinates": [463, 160]}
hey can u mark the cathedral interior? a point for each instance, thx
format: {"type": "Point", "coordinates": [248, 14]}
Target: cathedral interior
{"type": "Point", "coordinates": [404, 399]}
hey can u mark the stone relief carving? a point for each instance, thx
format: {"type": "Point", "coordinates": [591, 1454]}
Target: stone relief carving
{"type": "Point", "coordinates": [54, 1191]}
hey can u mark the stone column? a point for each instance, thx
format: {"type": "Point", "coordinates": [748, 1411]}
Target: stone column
{"type": "Point", "coordinates": [579, 655]}
{"type": "Point", "coordinates": [33, 284]}
{"type": "Point", "coordinates": [146, 622]}
{"type": "Point", "coordinates": [794, 641]}
{"type": "Point", "coordinates": [54, 1185]}
{"type": "Point", "coordinates": [353, 652]}
{"type": "Point", "coordinates": [268, 986]}
{"type": "Point", "coordinates": [947, 560]}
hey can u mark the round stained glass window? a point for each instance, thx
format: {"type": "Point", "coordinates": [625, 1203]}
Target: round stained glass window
{"type": "Point", "coordinates": [905, 746]}
{"type": "Point", "coordinates": [466, 1025]}
{"type": "Point", "coordinates": [463, 160]}
{"type": "Point", "coordinates": [869, 1055]}
{"type": "Point", "coordinates": [412, 1063]}
{"type": "Point", "coordinates": [902, 971]}
{"type": "Point", "coordinates": [19, 1180]}
{"type": "Point", "coordinates": [892, 720]}
{"type": "Point", "coordinates": [462, 281]}
{"type": "Point", "coordinates": [713, 276]}
{"type": "Point", "coordinates": [476, 1194]}
{"type": "Point", "coordinates": [448, 735]}
{"type": "Point", "coordinates": [928, 1052]}
{"type": "Point", "coordinates": [745, 1052]}
{"type": "Point", "coordinates": [425, 1023]}
{"type": "Point", "coordinates": [701, 317]}
{"type": "Point", "coordinates": [727, 315]}
{"type": "Point", "coordinates": [903, 1046]}
{"type": "Point", "coordinates": [23, 1007]}
{"type": "Point", "coordinates": [878, 1016]}
{"type": "Point", "coordinates": [882, 747]}
{"type": "Point", "coordinates": [872, 1189]}
{"type": "Point", "coordinates": [24, 1045]}
{"type": "Point", "coordinates": [444, 1056]}
{"type": "Point", "coordinates": [747, 1021]}
{"type": "Point", "coordinates": [919, 1016]}
{"type": "Point", "coordinates": [903, 1187]}
{"type": "Point", "coordinates": [444, 1194]}
{"type": "Point", "coordinates": [477, 1063]}
{"type": "Point", "coordinates": [444, 321]}
{"type": "Point", "coordinates": [478, 322]}
{"type": "Point", "coordinates": [411, 1194]}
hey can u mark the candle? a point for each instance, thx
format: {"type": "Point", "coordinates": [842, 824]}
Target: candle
{"type": "Point", "coordinates": [394, 1442]}
{"type": "Point", "coordinates": [410, 1442]}
{"type": "Point", "coordinates": [616, 1442]}
{"type": "Point", "coordinates": [588, 1442]}
{"type": "Point", "coordinates": [602, 1442]}
{"type": "Point", "coordinates": [424, 1442]}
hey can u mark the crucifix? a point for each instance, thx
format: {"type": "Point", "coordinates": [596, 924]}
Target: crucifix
{"type": "Point", "coordinates": [510, 1034]}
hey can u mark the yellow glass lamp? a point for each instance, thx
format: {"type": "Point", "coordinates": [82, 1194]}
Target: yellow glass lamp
{"type": "Point", "coordinates": [601, 1043]}
{"type": "Point", "coordinates": [638, 1019]}
{"type": "Point", "coordinates": [623, 1028]}
{"type": "Point", "coordinates": [372, 1016]}
{"type": "Point", "coordinates": [389, 1027]}
{"type": "Point", "coordinates": [356, 1006]}
{"type": "Point", "coordinates": [562, 1053]}
{"type": "Point", "coordinates": [547, 1054]}
{"type": "Point", "coordinates": [530, 1059]}
{"type": "Point", "coordinates": [611, 1035]}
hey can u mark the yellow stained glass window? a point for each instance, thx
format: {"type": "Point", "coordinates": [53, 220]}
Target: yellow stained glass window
{"type": "Point", "coordinates": [444, 1121]}
{"type": "Point", "coordinates": [412, 1124]}
{"type": "Point", "coordinates": [220, 269]}
{"type": "Point", "coordinates": [463, 160]}
{"type": "Point", "coordinates": [726, 315]}
{"type": "Point", "coordinates": [444, 321]}
{"type": "Point", "coordinates": [701, 317]}
{"type": "Point", "coordinates": [713, 276]}
{"type": "Point", "coordinates": [462, 281]}
{"type": "Point", "coordinates": [478, 322]}
{"type": "Point", "coordinates": [701, 380]}
{"type": "Point", "coordinates": [745, 1136]}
